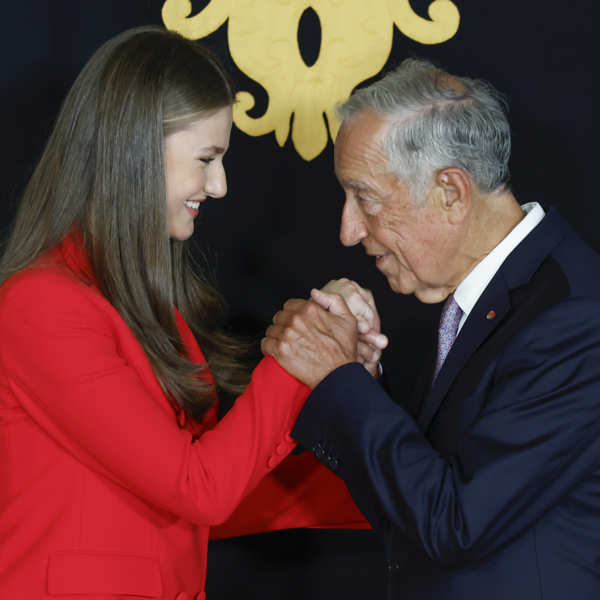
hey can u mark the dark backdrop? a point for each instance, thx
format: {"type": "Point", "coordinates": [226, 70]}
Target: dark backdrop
{"type": "Point", "coordinates": [275, 235]}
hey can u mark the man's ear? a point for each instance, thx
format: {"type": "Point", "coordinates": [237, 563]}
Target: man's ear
{"type": "Point", "coordinates": [453, 187]}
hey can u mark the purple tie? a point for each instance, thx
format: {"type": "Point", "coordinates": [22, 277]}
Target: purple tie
{"type": "Point", "coordinates": [449, 320]}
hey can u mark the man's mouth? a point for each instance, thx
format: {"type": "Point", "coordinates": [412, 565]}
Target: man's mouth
{"type": "Point", "coordinates": [379, 257]}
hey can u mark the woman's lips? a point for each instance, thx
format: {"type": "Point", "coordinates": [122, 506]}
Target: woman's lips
{"type": "Point", "coordinates": [194, 212]}
{"type": "Point", "coordinates": [193, 207]}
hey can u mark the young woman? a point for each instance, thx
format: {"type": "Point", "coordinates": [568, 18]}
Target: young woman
{"type": "Point", "coordinates": [114, 463]}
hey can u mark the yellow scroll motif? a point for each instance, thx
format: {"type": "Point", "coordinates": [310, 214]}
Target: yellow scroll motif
{"type": "Point", "coordinates": [356, 41]}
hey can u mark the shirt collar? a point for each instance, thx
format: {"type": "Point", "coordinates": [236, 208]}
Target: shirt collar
{"type": "Point", "coordinates": [473, 285]}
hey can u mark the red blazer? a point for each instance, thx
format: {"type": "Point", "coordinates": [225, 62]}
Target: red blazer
{"type": "Point", "coordinates": [104, 491]}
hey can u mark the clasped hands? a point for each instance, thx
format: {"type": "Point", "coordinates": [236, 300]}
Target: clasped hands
{"type": "Point", "coordinates": [337, 325]}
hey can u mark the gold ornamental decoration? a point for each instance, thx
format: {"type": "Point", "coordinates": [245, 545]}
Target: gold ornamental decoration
{"type": "Point", "coordinates": [356, 41]}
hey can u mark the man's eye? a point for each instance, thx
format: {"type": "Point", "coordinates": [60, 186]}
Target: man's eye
{"type": "Point", "coordinates": [206, 161]}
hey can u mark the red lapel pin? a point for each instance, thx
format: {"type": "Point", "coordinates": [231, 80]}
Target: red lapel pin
{"type": "Point", "coordinates": [491, 315]}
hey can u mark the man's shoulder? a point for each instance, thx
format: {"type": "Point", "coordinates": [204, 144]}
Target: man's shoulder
{"type": "Point", "coordinates": [554, 255]}
{"type": "Point", "coordinates": [580, 265]}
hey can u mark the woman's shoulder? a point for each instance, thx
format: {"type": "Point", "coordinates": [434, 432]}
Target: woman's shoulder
{"type": "Point", "coordinates": [46, 287]}
{"type": "Point", "coordinates": [64, 267]}
{"type": "Point", "coordinates": [44, 276]}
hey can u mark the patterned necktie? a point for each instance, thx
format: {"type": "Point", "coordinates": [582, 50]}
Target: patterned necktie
{"type": "Point", "coordinates": [449, 320]}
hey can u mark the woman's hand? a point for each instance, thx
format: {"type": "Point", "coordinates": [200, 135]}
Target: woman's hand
{"type": "Point", "coordinates": [361, 303]}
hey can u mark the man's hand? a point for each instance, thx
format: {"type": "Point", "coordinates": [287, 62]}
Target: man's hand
{"type": "Point", "coordinates": [309, 341]}
{"type": "Point", "coordinates": [362, 305]}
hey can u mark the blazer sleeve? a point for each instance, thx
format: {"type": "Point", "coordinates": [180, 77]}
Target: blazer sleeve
{"type": "Point", "coordinates": [61, 359]}
{"type": "Point", "coordinates": [537, 437]}
{"type": "Point", "coordinates": [300, 492]}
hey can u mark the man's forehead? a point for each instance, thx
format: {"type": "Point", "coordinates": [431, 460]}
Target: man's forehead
{"type": "Point", "coordinates": [359, 152]}
{"type": "Point", "coordinates": [365, 124]}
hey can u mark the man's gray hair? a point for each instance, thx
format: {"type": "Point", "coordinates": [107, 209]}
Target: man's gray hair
{"type": "Point", "coordinates": [438, 121]}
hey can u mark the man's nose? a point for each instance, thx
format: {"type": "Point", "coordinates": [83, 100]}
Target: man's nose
{"type": "Point", "coordinates": [352, 227]}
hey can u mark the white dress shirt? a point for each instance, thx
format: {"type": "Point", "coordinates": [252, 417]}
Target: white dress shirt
{"type": "Point", "coordinates": [473, 285]}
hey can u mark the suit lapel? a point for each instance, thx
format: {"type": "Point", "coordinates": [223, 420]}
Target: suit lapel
{"type": "Point", "coordinates": [517, 270]}
{"type": "Point", "coordinates": [476, 329]}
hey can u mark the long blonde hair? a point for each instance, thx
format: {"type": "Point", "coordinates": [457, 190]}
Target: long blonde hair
{"type": "Point", "coordinates": [102, 172]}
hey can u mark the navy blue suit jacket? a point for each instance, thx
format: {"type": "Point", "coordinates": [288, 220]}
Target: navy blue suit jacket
{"type": "Point", "coordinates": [487, 485]}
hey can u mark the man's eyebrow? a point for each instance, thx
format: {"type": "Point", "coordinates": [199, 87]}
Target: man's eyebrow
{"type": "Point", "coordinates": [357, 185]}
{"type": "Point", "coordinates": [353, 184]}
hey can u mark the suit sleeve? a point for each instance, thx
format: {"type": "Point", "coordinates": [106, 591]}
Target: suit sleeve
{"type": "Point", "coordinates": [537, 436]}
{"type": "Point", "coordinates": [60, 355]}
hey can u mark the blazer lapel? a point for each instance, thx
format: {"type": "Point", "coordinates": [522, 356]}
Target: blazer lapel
{"type": "Point", "coordinates": [518, 268]}
{"type": "Point", "coordinates": [479, 325]}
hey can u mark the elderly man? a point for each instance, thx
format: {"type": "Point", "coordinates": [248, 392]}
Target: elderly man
{"type": "Point", "coordinates": [487, 483]}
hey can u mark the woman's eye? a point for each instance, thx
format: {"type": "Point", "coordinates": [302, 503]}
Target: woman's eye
{"type": "Point", "coordinates": [206, 161]}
